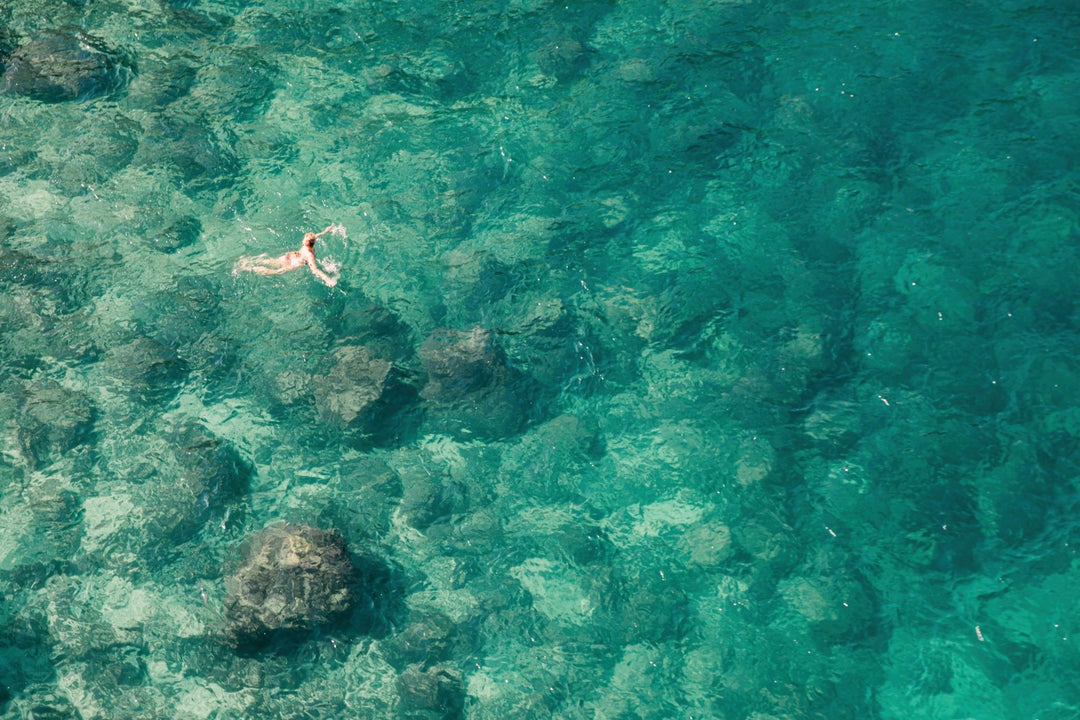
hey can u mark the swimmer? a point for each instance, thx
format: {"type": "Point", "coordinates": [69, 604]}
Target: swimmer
{"type": "Point", "coordinates": [263, 265]}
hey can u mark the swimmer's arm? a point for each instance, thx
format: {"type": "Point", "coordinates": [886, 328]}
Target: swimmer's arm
{"type": "Point", "coordinates": [317, 272]}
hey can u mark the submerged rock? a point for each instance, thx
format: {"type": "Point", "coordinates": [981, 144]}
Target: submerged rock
{"type": "Point", "coordinates": [164, 77]}
{"type": "Point", "coordinates": [471, 389]}
{"type": "Point", "coordinates": [378, 329]}
{"type": "Point", "coordinates": [196, 148]}
{"type": "Point", "coordinates": [364, 396]}
{"type": "Point", "coordinates": [52, 420]}
{"type": "Point", "coordinates": [561, 58]}
{"type": "Point", "coordinates": [352, 388]}
{"type": "Point", "coordinates": [212, 473]}
{"type": "Point", "coordinates": [147, 369]}
{"type": "Point", "coordinates": [435, 692]}
{"type": "Point", "coordinates": [461, 362]}
{"type": "Point", "coordinates": [175, 234]}
{"type": "Point", "coordinates": [427, 501]}
{"type": "Point", "coordinates": [189, 482]}
{"type": "Point", "coordinates": [835, 607]}
{"type": "Point", "coordinates": [429, 638]}
{"type": "Point", "coordinates": [553, 459]}
{"type": "Point", "coordinates": [242, 69]}
{"type": "Point", "coordinates": [64, 64]}
{"type": "Point", "coordinates": [547, 343]}
{"type": "Point", "coordinates": [187, 318]}
{"type": "Point", "coordinates": [292, 579]}
{"type": "Point", "coordinates": [93, 151]}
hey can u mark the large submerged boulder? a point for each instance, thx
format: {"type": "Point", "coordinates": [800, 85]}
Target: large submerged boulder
{"type": "Point", "coordinates": [64, 64]}
{"type": "Point", "coordinates": [434, 693]}
{"type": "Point", "coordinates": [172, 234]}
{"type": "Point", "coordinates": [51, 421]}
{"type": "Point", "coordinates": [350, 392]}
{"type": "Point", "coordinates": [146, 369]}
{"type": "Point", "coordinates": [196, 148]}
{"type": "Point", "coordinates": [364, 396]}
{"type": "Point", "coordinates": [472, 390]}
{"type": "Point", "coordinates": [291, 580]}
{"type": "Point", "coordinates": [211, 478]}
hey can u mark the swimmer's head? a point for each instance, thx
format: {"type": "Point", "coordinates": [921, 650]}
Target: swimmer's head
{"type": "Point", "coordinates": [309, 239]}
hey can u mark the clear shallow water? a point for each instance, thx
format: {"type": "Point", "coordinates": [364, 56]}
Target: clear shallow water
{"type": "Point", "coordinates": [787, 421]}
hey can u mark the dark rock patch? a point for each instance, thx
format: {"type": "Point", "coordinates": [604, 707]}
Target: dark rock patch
{"type": "Point", "coordinates": [292, 578]}
{"type": "Point", "coordinates": [147, 370]}
{"type": "Point", "coordinates": [548, 344]}
{"type": "Point", "coordinates": [429, 500]}
{"type": "Point", "coordinates": [62, 65]}
{"type": "Point", "coordinates": [431, 638]}
{"type": "Point", "coordinates": [200, 480]}
{"type": "Point", "coordinates": [8, 42]}
{"type": "Point", "coordinates": [118, 665]}
{"type": "Point", "coordinates": [296, 579]}
{"type": "Point", "coordinates": [15, 158]}
{"type": "Point", "coordinates": [366, 496]}
{"type": "Point", "coordinates": [187, 318]}
{"type": "Point", "coordinates": [352, 388]}
{"type": "Point", "coordinates": [552, 460]}
{"type": "Point", "coordinates": [431, 693]}
{"type": "Point", "coordinates": [52, 420]}
{"type": "Point", "coordinates": [652, 610]}
{"type": "Point", "coordinates": [175, 234]}
{"type": "Point", "coordinates": [196, 148]}
{"type": "Point", "coordinates": [55, 288]}
{"type": "Point", "coordinates": [461, 362]}
{"type": "Point", "coordinates": [212, 473]}
{"type": "Point", "coordinates": [472, 391]}
{"type": "Point", "coordinates": [164, 78]}
{"type": "Point", "coordinates": [53, 497]}
{"type": "Point", "coordinates": [251, 83]}
{"type": "Point", "coordinates": [366, 397]}
{"type": "Point", "coordinates": [562, 58]}
{"type": "Point", "coordinates": [94, 151]}
{"type": "Point", "coordinates": [376, 328]}
{"type": "Point", "coordinates": [33, 329]}
{"type": "Point", "coordinates": [586, 544]}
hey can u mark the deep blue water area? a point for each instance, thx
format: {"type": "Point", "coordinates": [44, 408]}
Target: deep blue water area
{"type": "Point", "coordinates": [676, 360]}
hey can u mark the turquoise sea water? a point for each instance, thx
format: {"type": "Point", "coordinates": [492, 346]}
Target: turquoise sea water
{"type": "Point", "coordinates": [773, 411]}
